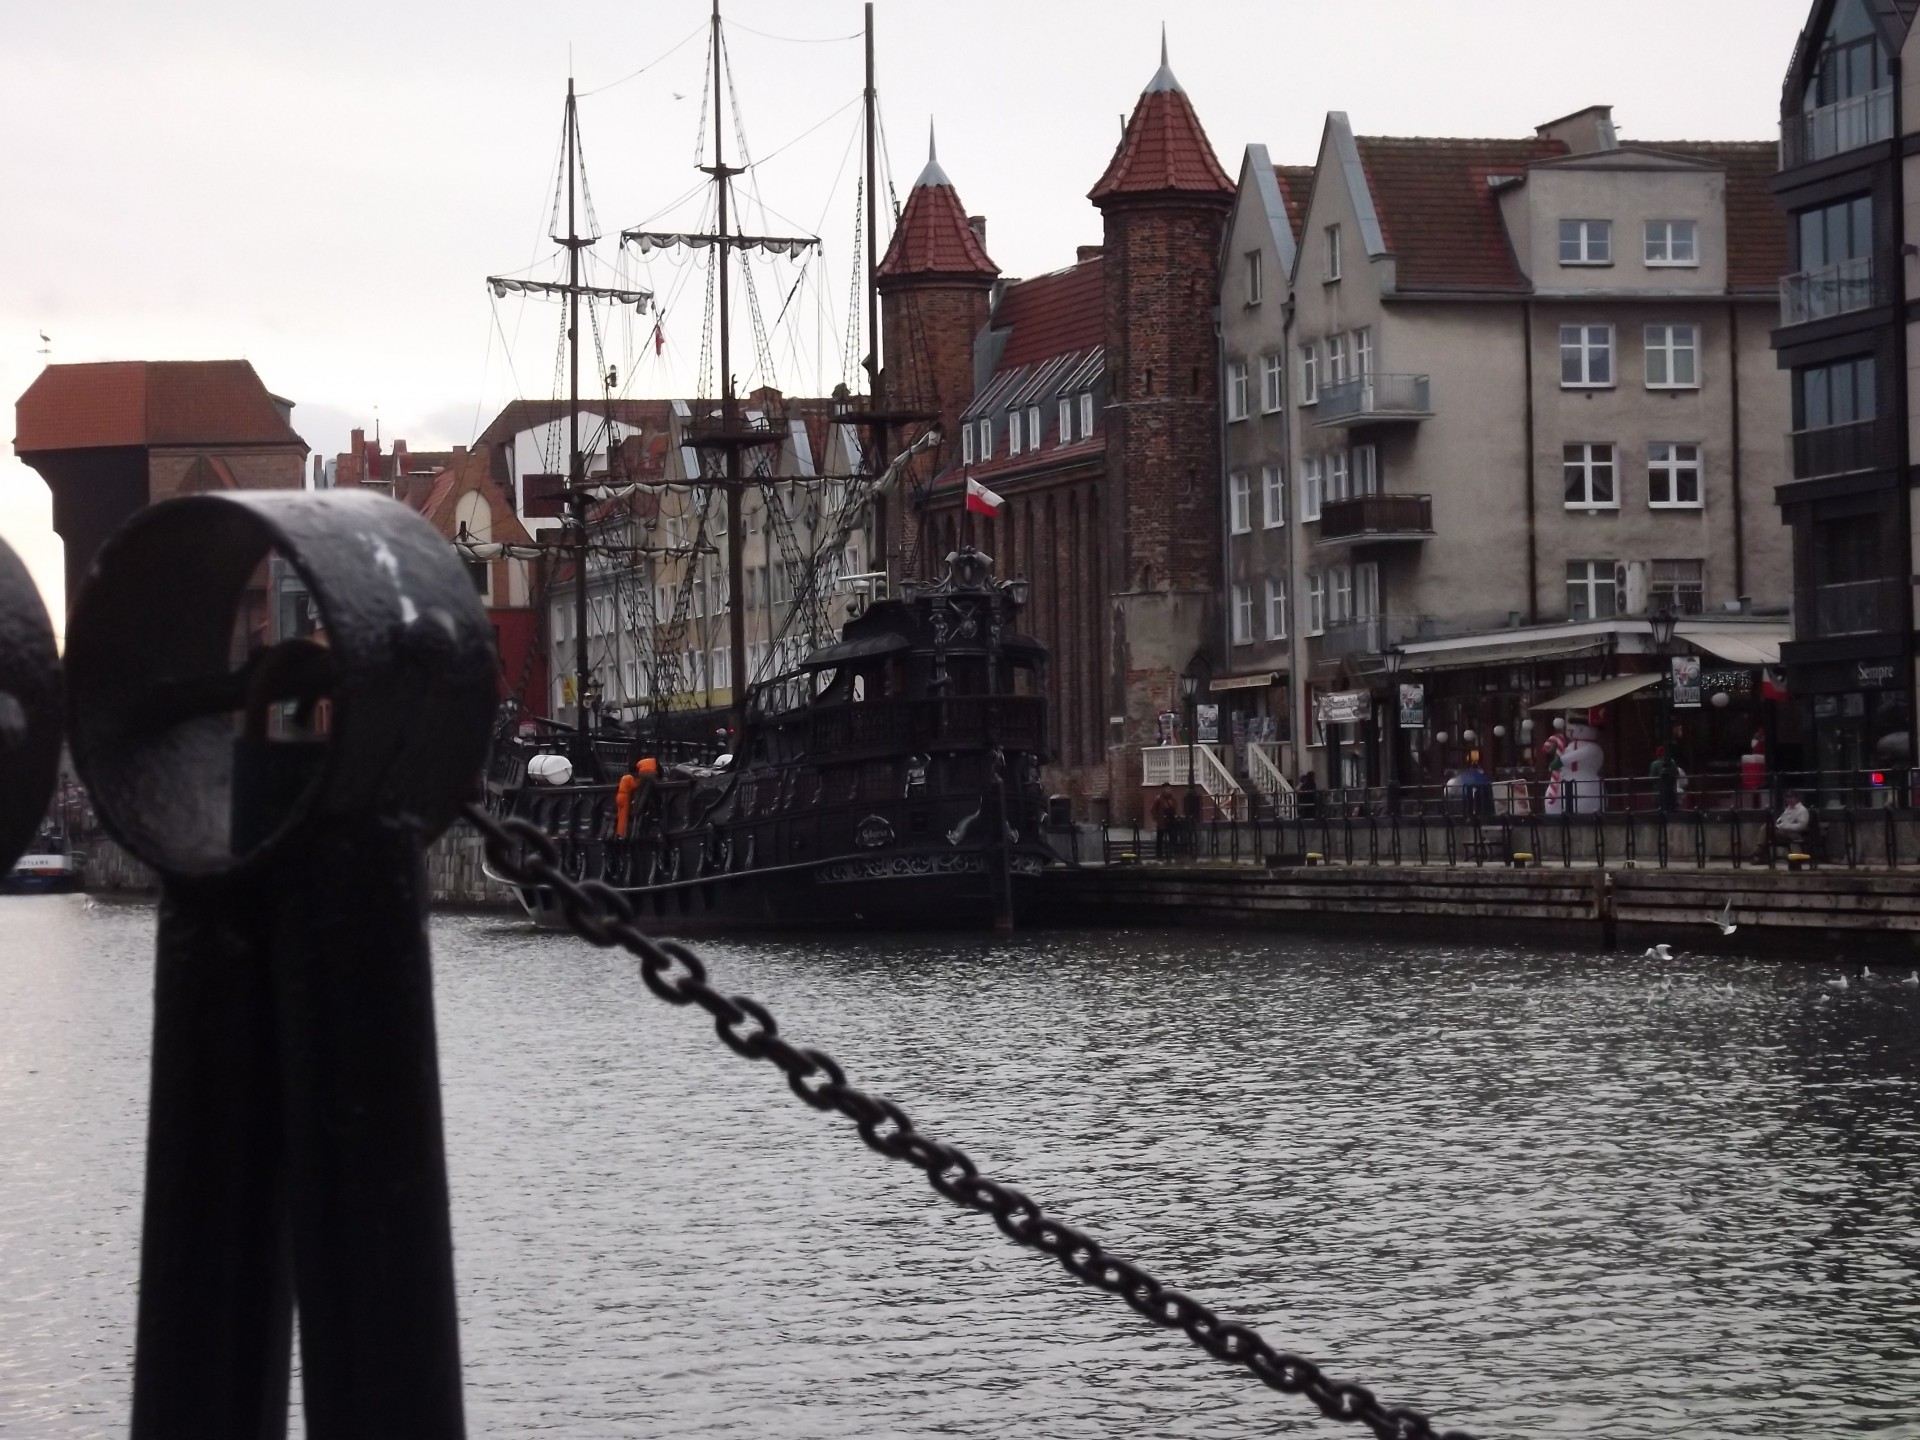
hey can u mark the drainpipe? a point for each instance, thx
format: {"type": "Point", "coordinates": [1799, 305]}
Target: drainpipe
{"type": "Point", "coordinates": [1296, 646]}
{"type": "Point", "coordinates": [1904, 439]}
{"type": "Point", "coordinates": [1739, 523]}
{"type": "Point", "coordinates": [1533, 557]}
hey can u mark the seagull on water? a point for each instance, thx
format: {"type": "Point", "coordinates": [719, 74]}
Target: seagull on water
{"type": "Point", "coordinates": [1661, 951]}
{"type": "Point", "coordinates": [1725, 919]}
{"type": "Point", "coordinates": [1839, 982]}
{"type": "Point", "coordinates": [1912, 982]}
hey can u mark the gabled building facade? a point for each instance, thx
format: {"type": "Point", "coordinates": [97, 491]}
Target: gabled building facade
{"type": "Point", "coordinates": [1847, 184]}
{"type": "Point", "coordinates": [1528, 401]}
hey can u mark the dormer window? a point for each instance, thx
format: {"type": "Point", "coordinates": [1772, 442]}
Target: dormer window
{"type": "Point", "coordinates": [1086, 415]}
{"type": "Point", "coordinates": [1064, 422]}
{"type": "Point", "coordinates": [966, 444]}
{"type": "Point", "coordinates": [1034, 432]}
{"type": "Point", "coordinates": [986, 439]}
{"type": "Point", "coordinates": [1013, 432]}
{"type": "Point", "coordinates": [1256, 282]}
{"type": "Point", "coordinates": [1586, 242]}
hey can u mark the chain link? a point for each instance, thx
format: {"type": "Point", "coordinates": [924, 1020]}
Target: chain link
{"type": "Point", "coordinates": [598, 913]}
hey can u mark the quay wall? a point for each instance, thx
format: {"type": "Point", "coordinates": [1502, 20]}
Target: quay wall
{"type": "Point", "coordinates": [456, 878]}
{"type": "Point", "coordinates": [1814, 912]}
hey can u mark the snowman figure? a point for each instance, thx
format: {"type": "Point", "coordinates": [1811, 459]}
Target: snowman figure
{"type": "Point", "coordinates": [1575, 764]}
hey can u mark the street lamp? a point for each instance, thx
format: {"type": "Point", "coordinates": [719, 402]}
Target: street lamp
{"type": "Point", "coordinates": [1394, 657]}
{"type": "Point", "coordinates": [1191, 680]}
{"type": "Point", "coordinates": [1662, 622]}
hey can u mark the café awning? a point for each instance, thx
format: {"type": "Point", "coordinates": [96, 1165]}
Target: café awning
{"type": "Point", "coordinates": [1736, 644]}
{"type": "Point", "coordinates": [1600, 692]}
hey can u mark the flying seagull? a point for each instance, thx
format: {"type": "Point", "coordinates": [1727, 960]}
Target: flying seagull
{"type": "Point", "coordinates": [1661, 951]}
{"type": "Point", "coordinates": [1725, 919]}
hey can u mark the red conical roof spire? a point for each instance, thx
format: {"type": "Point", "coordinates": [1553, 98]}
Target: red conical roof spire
{"type": "Point", "coordinates": [1164, 149]}
{"type": "Point", "coordinates": [933, 237]}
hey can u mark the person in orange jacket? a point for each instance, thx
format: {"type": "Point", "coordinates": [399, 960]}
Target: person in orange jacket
{"type": "Point", "coordinates": [623, 795]}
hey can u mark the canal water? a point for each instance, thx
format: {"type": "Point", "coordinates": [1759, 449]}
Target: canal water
{"type": "Point", "coordinates": [1536, 1192]}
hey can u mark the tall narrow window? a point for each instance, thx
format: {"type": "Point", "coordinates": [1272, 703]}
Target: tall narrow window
{"type": "Point", "coordinates": [1316, 603]}
{"type": "Point", "coordinates": [1064, 420]}
{"type": "Point", "coordinates": [1586, 242]}
{"type": "Point", "coordinates": [1013, 432]}
{"type": "Point", "coordinates": [1240, 501]}
{"type": "Point", "coordinates": [1586, 356]}
{"type": "Point", "coordinates": [1312, 479]}
{"type": "Point", "coordinates": [966, 444]}
{"type": "Point", "coordinates": [1236, 390]}
{"type": "Point", "coordinates": [1243, 614]}
{"type": "Point", "coordinates": [1673, 357]}
{"type": "Point", "coordinates": [1273, 490]}
{"type": "Point", "coordinates": [1590, 477]}
{"type": "Point", "coordinates": [1333, 252]}
{"type": "Point", "coordinates": [1309, 373]}
{"type": "Point", "coordinates": [1590, 590]}
{"type": "Point", "coordinates": [1276, 610]}
{"type": "Point", "coordinates": [986, 439]}
{"type": "Point", "coordinates": [1034, 431]}
{"type": "Point", "coordinates": [1339, 475]}
{"type": "Point", "coordinates": [1366, 470]}
{"type": "Point", "coordinates": [1273, 370]}
{"type": "Point", "coordinates": [1337, 359]}
{"type": "Point", "coordinates": [1366, 590]}
{"type": "Point", "coordinates": [1363, 353]}
{"type": "Point", "coordinates": [1086, 415]}
{"type": "Point", "coordinates": [1339, 595]}
{"type": "Point", "coordinates": [1256, 281]}
{"type": "Point", "coordinates": [1673, 475]}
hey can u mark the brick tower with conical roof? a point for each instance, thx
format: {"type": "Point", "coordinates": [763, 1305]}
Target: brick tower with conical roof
{"type": "Point", "coordinates": [1164, 201]}
{"type": "Point", "coordinates": [936, 288]}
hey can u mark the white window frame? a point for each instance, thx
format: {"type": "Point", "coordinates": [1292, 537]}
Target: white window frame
{"type": "Point", "coordinates": [1580, 341]}
{"type": "Point", "coordinates": [1312, 486]}
{"type": "Point", "coordinates": [1366, 470]}
{"type": "Point", "coordinates": [1086, 414]}
{"type": "Point", "coordinates": [986, 438]}
{"type": "Point", "coordinates": [1256, 278]}
{"type": "Point", "coordinates": [1273, 496]}
{"type": "Point", "coordinates": [1035, 431]}
{"type": "Point", "coordinates": [1339, 594]}
{"type": "Point", "coordinates": [1672, 346]}
{"type": "Point", "coordinates": [1584, 234]}
{"type": "Point", "coordinates": [1590, 458]}
{"type": "Point", "coordinates": [1597, 575]}
{"type": "Point", "coordinates": [1276, 610]}
{"type": "Point", "coordinates": [1332, 237]}
{"type": "Point", "coordinates": [1339, 484]}
{"type": "Point", "coordinates": [1363, 353]}
{"type": "Point", "coordinates": [1337, 359]}
{"type": "Point", "coordinates": [1662, 244]}
{"type": "Point", "coordinates": [1366, 590]}
{"type": "Point", "coordinates": [1013, 432]}
{"type": "Point", "coordinates": [966, 444]}
{"type": "Point", "coordinates": [1309, 373]}
{"type": "Point", "coordinates": [1240, 501]}
{"type": "Point", "coordinates": [1316, 603]}
{"type": "Point", "coordinates": [1243, 614]}
{"type": "Point", "coordinates": [1665, 469]}
{"type": "Point", "coordinates": [1273, 381]}
{"type": "Point", "coordinates": [1065, 422]}
{"type": "Point", "coordinates": [1236, 390]}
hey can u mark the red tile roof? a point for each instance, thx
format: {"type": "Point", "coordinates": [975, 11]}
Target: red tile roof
{"type": "Point", "coordinates": [1757, 251]}
{"type": "Point", "coordinates": [1439, 217]}
{"type": "Point", "coordinates": [149, 402]}
{"type": "Point", "coordinates": [1296, 188]}
{"type": "Point", "coordinates": [1053, 314]}
{"type": "Point", "coordinates": [1163, 150]}
{"type": "Point", "coordinates": [933, 237]}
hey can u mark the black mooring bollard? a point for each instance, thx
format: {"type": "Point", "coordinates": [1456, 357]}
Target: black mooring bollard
{"type": "Point", "coordinates": [29, 709]}
{"type": "Point", "coordinates": [295, 1156]}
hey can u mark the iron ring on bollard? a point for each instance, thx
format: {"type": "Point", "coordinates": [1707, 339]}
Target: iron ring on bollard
{"type": "Point", "coordinates": [29, 708]}
{"type": "Point", "coordinates": [295, 1158]}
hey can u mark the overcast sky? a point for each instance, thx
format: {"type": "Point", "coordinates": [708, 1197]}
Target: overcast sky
{"type": "Point", "coordinates": [321, 187]}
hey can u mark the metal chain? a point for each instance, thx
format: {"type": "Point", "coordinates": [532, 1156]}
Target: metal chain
{"type": "Point", "coordinates": [599, 913]}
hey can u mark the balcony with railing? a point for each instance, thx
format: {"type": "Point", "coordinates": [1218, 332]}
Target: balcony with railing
{"type": "Point", "coordinates": [1833, 129]}
{"type": "Point", "coordinates": [1375, 519]}
{"type": "Point", "coordinates": [1829, 291]}
{"type": "Point", "coordinates": [1856, 607]}
{"type": "Point", "coordinates": [1374, 399]}
{"type": "Point", "coordinates": [1365, 635]}
{"type": "Point", "coordinates": [1848, 449]}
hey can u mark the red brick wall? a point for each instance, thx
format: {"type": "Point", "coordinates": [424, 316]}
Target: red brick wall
{"type": "Point", "coordinates": [928, 326]}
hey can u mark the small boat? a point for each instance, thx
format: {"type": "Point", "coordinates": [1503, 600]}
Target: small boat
{"type": "Point", "coordinates": [48, 866]}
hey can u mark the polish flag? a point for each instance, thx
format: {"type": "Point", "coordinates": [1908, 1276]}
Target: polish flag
{"type": "Point", "coordinates": [659, 338]}
{"type": "Point", "coordinates": [981, 500]}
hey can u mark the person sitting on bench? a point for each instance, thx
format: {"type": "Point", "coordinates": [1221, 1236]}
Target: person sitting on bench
{"type": "Point", "coordinates": [1791, 829]}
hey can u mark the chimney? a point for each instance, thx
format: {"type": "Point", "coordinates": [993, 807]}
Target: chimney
{"type": "Point", "coordinates": [1584, 132]}
{"type": "Point", "coordinates": [978, 224]}
{"type": "Point", "coordinates": [1083, 253]}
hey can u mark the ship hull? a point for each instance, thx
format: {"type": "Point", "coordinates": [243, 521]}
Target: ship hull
{"type": "Point", "coordinates": [920, 891]}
